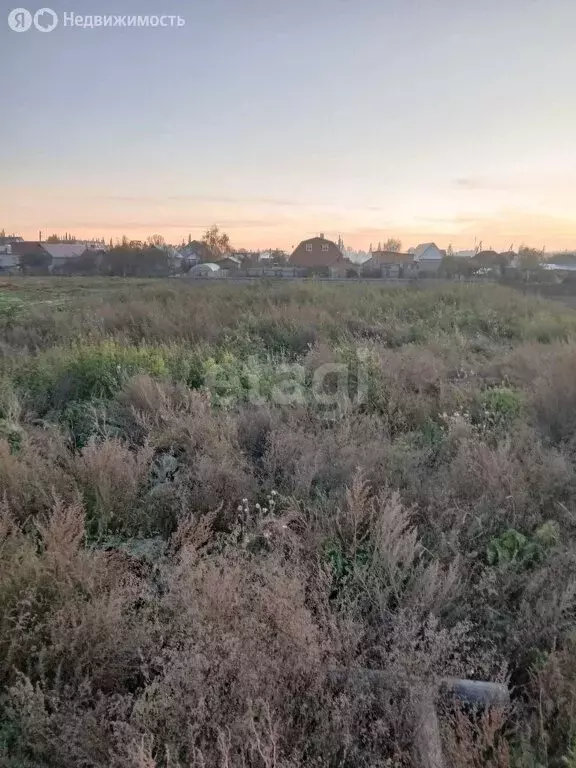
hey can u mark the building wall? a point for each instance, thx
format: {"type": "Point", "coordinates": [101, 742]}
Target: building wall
{"type": "Point", "coordinates": [316, 252]}
{"type": "Point", "coordinates": [432, 253]}
{"type": "Point", "coordinates": [380, 258]}
{"type": "Point", "coordinates": [429, 265]}
{"type": "Point", "coordinates": [8, 261]}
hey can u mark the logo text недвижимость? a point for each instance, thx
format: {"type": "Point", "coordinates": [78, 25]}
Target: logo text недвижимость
{"type": "Point", "coordinates": [46, 19]}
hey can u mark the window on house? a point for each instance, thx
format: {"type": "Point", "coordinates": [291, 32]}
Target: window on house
{"type": "Point", "coordinates": [325, 247]}
{"type": "Point", "coordinates": [309, 247]}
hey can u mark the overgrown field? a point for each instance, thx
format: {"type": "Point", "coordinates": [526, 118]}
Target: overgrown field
{"type": "Point", "coordinates": [214, 494]}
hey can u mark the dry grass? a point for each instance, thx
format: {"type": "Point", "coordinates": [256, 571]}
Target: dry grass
{"type": "Point", "coordinates": [178, 575]}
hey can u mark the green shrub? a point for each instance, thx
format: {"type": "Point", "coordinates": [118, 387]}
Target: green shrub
{"type": "Point", "coordinates": [83, 372]}
{"type": "Point", "coordinates": [280, 336]}
{"type": "Point", "coordinates": [514, 549]}
{"type": "Point", "coordinates": [499, 408]}
{"type": "Point", "coordinates": [94, 418]}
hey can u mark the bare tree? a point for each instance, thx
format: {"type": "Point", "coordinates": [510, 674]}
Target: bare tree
{"type": "Point", "coordinates": [217, 241]}
{"type": "Point", "coordinates": [55, 238]}
{"type": "Point", "coordinates": [157, 240]}
{"type": "Point", "coordinates": [530, 258]}
{"type": "Point", "coordinates": [392, 244]}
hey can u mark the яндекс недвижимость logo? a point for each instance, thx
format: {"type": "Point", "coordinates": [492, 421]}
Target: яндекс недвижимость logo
{"type": "Point", "coordinates": [20, 20]}
{"type": "Point", "coordinates": [45, 20]}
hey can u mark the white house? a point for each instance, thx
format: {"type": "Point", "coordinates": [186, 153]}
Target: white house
{"type": "Point", "coordinates": [428, 257]}
{"type": "Point", "coordinates": [8, 260]}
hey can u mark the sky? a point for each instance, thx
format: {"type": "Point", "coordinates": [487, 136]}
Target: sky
{"type": "Point", "coordinates": [426, 120]}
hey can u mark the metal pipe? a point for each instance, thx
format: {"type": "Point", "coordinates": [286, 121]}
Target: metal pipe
{"type": "Point", "coordinates": [427, 747]}
{"type": "Point", "coordinates": [478, 692]}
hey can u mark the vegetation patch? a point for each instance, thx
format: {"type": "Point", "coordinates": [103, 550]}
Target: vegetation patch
{"type": "Point", "coordinates": [212, 495]}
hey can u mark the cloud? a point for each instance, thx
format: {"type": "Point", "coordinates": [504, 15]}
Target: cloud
{"type": "Point", "coordinates": [203, 199]}
{"type": "Point", "coordinates": [504, 226]}
{"type": "Point", "coordinates": [459, 219]}
{"type": "Point", "coordinates": [230, 200]}
{"type": "Point", "coordinates": [467, 183]}
{"type": "Point", "coordinates": [156, 226]}
{"type": "Point", "coordinates": [485, 185]}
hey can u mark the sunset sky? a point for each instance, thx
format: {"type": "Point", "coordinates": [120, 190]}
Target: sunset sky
{"type": "Point", "coordinates": [438, 120]}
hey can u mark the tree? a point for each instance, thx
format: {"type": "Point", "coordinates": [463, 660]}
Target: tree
{"type": "Point", "coordinates": [156, 240]}
{"type": "Point", "coordinates": [54, 238]}
{"type": "Point", "coordinates": [36, 263]}
{"type": "Point", "coordinates": [392, 244]}
{"type": "Point", "coordinates": [134, 261]}
{"type": "Point", "coordinates": [530, 258]}
{"type": "Point", "coordinates": [88, 263]}
{"type": "Point", "coordinates": [278, 256]}
{"type": "Point", "coordinates": [455, 266]}
{"type": "Point", "coordinates": [217, 241]}
{"type": "Point", "coordinates": [490, 260]}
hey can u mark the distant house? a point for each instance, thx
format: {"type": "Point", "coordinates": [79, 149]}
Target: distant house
{"type": "Point", "coordinates": [465, 254]}
{"type": "Point", "coordinates": [428, 257]}
{"type": "Point", "coordinates": [491, 257]}
{"type": "Point", "coordinates": [381, 258]}
{"type": "Point", "coordinates": [245, 257]}
{"type": "Point", "coordinates": [9, 261]}
{"type": "Point", "coordinates": [344, 268]}
{"type": "Point", "coordinates": [252, 260]}
{"type": "Point", "coordinates": [317, 252]}
{"type": "Point", "coordinates": [232, 263]}
{"type": "Point", "coordinates": [9, 239]}
{"type": "Point", "coordinates": [195, 252]}
{"type": "Point", "coordinates": [32, 257]}
{"type": "Point", "coordinates": [93, 245]}
{"type": "Point", "coordinates": [492, 262]}
{"type": "Point", "coordinates": [388, 264]}
{"type": "Point", "coordinates": [62, 254]}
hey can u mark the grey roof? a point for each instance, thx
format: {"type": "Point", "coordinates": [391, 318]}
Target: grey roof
{"type": "Point", "coordinates": [421, 249]}
{"type": "Point", "coordinates": [64, 250]}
